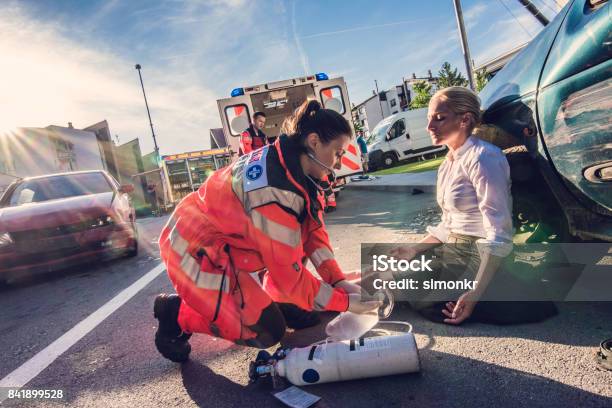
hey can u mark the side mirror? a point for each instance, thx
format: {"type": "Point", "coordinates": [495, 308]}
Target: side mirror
{"type": "Point", "coordinates": [126, 188]}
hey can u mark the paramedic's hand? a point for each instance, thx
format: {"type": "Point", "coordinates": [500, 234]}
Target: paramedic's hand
{"type": "Point", "coordinates": [368, 276]}
{"type": "Point", "coordinates": [359, 306]}
{"type": "Point", "coordinates": [349, 287]}
{"type": "Point", "coordinates": [404, 252]}
{"type": "Point", "coordinates": [457, 312]}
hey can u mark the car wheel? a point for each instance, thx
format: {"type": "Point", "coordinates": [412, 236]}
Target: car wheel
{"type": "Point", "coordinates": [389, 160]}
{"type": "Point", "coordinates": [133, 250]}
{"type": "Point", "coordinates": [536, 214]}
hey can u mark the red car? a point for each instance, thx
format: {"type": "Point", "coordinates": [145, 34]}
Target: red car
{"type": "Point", "coordinates": [55, 221]}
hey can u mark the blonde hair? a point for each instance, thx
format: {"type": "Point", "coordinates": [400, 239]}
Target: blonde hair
{"type": "Point", "coordinates": [461, 100]}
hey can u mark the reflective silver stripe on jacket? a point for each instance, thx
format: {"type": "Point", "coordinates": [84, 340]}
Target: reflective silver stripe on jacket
{"type": "Point", "coordinates": [321, 255]}
{"type": "Point", "coordinates": [178, 243]}
{"type": "Point", "coordinates": [323, 296]}
{"type": "Point", "coordinates": [237, 177]}
{"type": "Point", "coordinates": [212, 281]}
{"type": "Point", "coordinates": [269, 194]}
{"type": "Point", "coordinates": [203, 279]}
{"type": "Point", "coordinates": [276, 231]}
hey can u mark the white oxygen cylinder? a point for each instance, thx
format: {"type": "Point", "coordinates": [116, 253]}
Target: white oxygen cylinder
{"type": "Point", "coordinates": [350, 359]}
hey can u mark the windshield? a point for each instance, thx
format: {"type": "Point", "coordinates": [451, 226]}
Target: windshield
{"type": "Point", "coordinates": [379, 132]}
{"type": "Point", "coordinates": [56, 187]}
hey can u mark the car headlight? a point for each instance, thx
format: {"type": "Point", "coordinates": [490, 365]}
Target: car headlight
{"type": "Point", "coordinates": [5, 239]}
{"type": "Point", "coordinates": [102, 221]}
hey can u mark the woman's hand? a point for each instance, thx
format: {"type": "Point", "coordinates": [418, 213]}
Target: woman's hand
{"type": "Point", "coordinates": [348, 287]}
{"type": "Point", "coordinates": [458, 312]}
{"type": "Point", "coordinates": [359, 306]}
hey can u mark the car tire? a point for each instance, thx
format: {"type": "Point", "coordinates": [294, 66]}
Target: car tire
{"type": "Point", "coordinates": [133, 250]}
{"type": "Point", "coordinates": [536, 215]}
{"type": "Point", "coordinates": [389, 160]}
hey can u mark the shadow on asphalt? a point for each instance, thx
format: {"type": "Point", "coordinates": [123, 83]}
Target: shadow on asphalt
{"type": "Point", "coordinates": [397, 211]}
{"type": "Point", "coordinates": [208, 389]}
{"type": "Point", "coordinates": [435, 386]}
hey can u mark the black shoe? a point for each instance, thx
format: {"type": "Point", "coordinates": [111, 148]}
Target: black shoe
{"type": "Point", "coordinates": [170, 340]}
{"type": "Point", "coordinates": [297, 318]}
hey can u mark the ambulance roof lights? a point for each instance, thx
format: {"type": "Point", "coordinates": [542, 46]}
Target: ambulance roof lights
{"type": "Point", "coordinates": [321, 76]}
{"type": "Point", "coordinates": [237, 92]}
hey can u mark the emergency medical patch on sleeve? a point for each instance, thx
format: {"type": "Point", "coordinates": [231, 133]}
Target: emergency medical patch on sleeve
{"type": "Point", "coordinates": [255, 171]}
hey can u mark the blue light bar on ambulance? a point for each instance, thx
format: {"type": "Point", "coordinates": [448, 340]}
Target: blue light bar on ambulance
{"type": "Point", "coordinates": [321, 76]}
{"type": "Point", "coordinates": [237, 92]}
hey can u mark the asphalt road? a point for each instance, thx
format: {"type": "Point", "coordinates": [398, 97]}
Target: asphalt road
{"type": "Point", "coordinates": [116, 364]}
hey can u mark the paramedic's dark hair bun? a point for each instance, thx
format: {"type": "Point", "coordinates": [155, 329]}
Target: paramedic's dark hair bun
{"type": "Point", "coordinates": [310, 117]}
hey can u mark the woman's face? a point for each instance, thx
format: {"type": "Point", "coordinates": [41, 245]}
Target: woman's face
{"type": "Point", "coordinates": [330, 154]}
{"type": "Point", "coordinates": [444, 126]}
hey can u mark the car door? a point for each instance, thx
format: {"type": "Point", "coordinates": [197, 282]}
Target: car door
{"type": "Point", "coordinates": [399, 138]}
{"type": "Point", "coordinates": [123, 204]}
{"type": "Point", "coordinates": [235, 115]}
{"type": "Point", "coordinates": [574, 103]}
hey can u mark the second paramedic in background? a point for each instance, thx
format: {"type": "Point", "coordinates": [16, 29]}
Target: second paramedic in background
{"type": "Point", "coordinates": [253, 137]}
{"type": "Point", "coordinates": [363, 146]}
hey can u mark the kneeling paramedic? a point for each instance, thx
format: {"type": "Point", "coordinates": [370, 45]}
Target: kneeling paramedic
{"type": "Point", "coordinates": [235, 249]}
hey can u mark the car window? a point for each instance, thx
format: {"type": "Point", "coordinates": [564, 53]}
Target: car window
{"type": "Point", "coordinates": [57, 187]}
{"type": "Point", "coordinates": [380, 131]}
{"type": "Point", "coordinates": [397, 129]}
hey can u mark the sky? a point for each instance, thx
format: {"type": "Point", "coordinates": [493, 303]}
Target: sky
{"type": "Point", "coordinates": [73, 61]}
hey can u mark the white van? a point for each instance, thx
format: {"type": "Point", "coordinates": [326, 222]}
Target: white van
{"type": "Point", "coordinates": [399, 137]}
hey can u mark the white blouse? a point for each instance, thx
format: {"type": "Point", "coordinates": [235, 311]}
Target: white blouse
{"type": "Point", "coordinates": [473, 191]}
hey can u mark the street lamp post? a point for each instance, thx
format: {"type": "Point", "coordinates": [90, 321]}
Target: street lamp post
{"type": "Point", "coordinates": [138, 67]}
{"type": "Point", "coordinates": [464, 43]}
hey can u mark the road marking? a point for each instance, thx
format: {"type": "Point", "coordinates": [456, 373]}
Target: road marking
{"type": "Point", "coordinates": [34, 366]}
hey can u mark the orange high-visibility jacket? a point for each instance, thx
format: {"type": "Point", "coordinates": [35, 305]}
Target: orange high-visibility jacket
{"type": "Point", "coordinates": [252, 139]}
{"type": "Point", "coordinates": [264, 212]}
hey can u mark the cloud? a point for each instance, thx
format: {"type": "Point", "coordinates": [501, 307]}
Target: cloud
{"type": "Point", "coordinates": [298, 42]}
{"type": "Point", "coordinates": [503, 36]}
{"type": "Point", "coordinates": [367, 27]}
{"type": "Point", "coordinates": [473, 14]}
{"type": "Point", "coordinates": [191, 55]}
{"type": "Point", "coordinates": [54, 80]}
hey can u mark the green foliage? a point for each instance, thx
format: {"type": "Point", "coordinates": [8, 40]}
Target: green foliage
{"type": "Point", "coordinates": [415, 167]}
{"type": "Point", "coordinates": [450, 77]}
{"type": "Point", "coordinates": [482, 78]}
{"type": "Point", "coordinates": [422, 95]}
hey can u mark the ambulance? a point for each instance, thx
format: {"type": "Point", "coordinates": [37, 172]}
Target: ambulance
{"type": "Point", "coordinates": [278, 100]}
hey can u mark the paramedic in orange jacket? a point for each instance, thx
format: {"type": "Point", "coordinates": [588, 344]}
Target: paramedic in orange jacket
{"type": "Point", "coordinates": [253, 137]}
{"type": "Point", "coordinates": [235, 250]}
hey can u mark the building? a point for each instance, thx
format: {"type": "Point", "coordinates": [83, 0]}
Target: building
{"type": "Point", "coordinates": [217, 138]}
{"type": "Point", "coordinates": [408, 86]}
{"type": "Point", "coordinates": [370, 112]}
{"type": "Point", "coordinates": [186, 172]}
{"type": "Point", "coordinates": [103, 134]}
{"type": "Point", "coordinates": [130, 163]}
{"type": "Point", "coordinates": [31, 151]}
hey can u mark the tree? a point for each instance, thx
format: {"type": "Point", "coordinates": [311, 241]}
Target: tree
{"type": "Point", "coordinates": [482, 78]}
{"type": "Point", "coordinates": [450, 77]}
{"type": "Point", "coordinates": [422, 95]}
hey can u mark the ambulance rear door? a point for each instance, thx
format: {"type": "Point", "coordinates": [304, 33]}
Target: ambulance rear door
{"type": "Point", "coordinates": [235, 113]}
{"type": "Point", "coordinates": [332, 94]}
